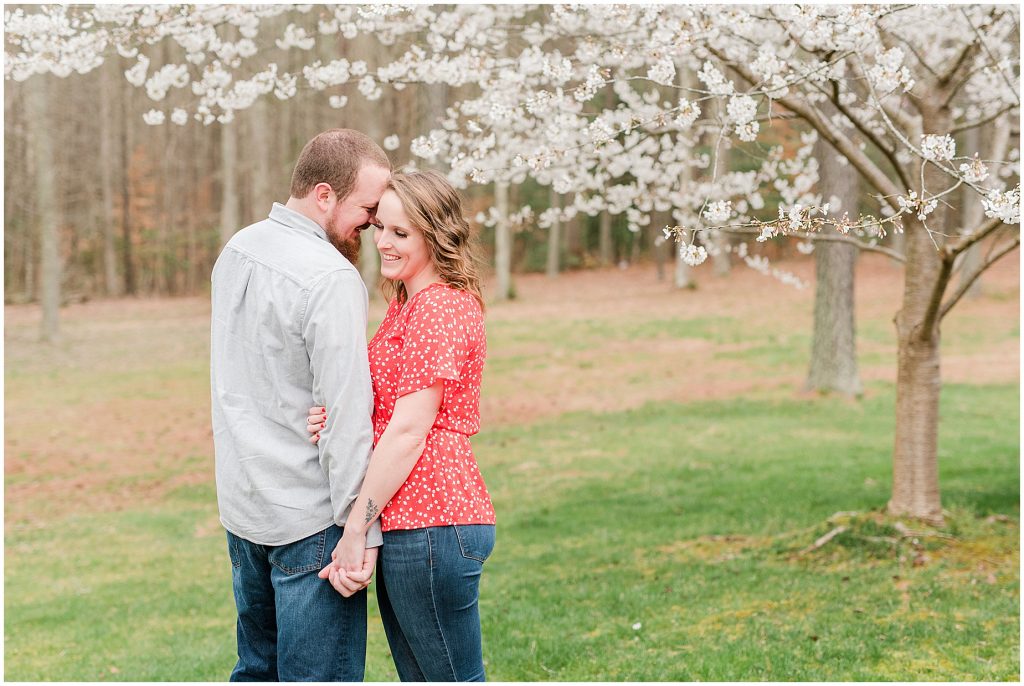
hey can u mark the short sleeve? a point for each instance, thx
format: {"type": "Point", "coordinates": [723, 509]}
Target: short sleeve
{"type": "Point", "coordinates": [434, 341]}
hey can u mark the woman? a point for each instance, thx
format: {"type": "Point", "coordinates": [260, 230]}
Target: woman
{"type": "Point", "coordinates": [426, 361]}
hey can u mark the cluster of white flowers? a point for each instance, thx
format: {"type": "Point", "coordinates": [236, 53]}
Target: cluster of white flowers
{"type": "Point", "coordinates": [912, 203]}
{"type": "Point", "coordinates": [1004, 206]}
{"type": "Point", "coordinates": [711, 77]}
{"type": "Point", "coordinates": [663, 71]}
{"type": "Point", "coordinates": [693, 254]}
{"type": "Point", "coordinates": [888, 72]}
{"type": "Point", "coordinates": [975, 171]}
{"type": "Point", "coordinates": [718, 211]}
{"type": "Point", "coordinates": [526, 110]}
{"type": "Point", "coordinates": [687, 113]}
{"type": "Point", "coordinates": [939, 148]}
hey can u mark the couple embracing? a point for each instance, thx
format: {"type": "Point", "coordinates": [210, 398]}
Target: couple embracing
{"type": "Point", "coordinates": [337, 460]}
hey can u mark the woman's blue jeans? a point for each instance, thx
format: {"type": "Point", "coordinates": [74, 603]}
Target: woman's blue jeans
{"type": "Point", "coordinates": [428, 587]}
{"type": "Point", "coordinates": [293, 625]}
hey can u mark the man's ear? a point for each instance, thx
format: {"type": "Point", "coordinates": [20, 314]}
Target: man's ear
{"type": "Point", "coordinates": [322, 193]}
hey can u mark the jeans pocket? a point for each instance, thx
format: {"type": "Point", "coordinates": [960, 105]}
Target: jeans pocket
{"type": "Point", "coordinates": [476, 541]}
{"type": "Point", "coordinates": [236, 561]}
{"type": "Point", "coordinates": [304, 555]}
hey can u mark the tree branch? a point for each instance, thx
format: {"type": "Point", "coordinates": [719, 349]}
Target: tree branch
{"type": "Point", "coordinates": [888, 151]}
{"type": "Point", "coordinates": [829, 238]}
{"type": "Point", "coordinates": [979, 234]}
{"type": "Point", "coordinates": [974, 124]}
{"type": "Point", "coordinates": [868, 169]}
{"type": "Point", "coordinates": [969, 281]}
{"type": "Point", "coordinates": [968, 53]}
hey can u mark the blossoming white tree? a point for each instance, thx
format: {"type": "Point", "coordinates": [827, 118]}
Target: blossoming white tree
{"type": "Point", "coordinates": [889, 87]}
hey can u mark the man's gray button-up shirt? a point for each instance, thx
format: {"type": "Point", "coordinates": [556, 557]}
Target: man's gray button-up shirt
{"type": "Point", "coordinates": [288, 332]}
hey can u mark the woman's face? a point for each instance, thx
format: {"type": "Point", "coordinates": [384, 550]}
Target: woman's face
{"type": "Point", "coordinates": [404, 255]}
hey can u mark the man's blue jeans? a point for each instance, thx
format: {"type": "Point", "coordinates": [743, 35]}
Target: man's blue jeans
{"type": "Point", "coordinates": [292, 625]}
{"type": "Point", "coordinates": [428, 585]}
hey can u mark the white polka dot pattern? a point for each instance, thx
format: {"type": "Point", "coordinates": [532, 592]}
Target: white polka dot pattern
{"type": "Point", "coordinates": [438, 334]}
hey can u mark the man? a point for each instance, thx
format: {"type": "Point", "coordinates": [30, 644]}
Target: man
{"type": "Point", "coordinates": [288, 332]}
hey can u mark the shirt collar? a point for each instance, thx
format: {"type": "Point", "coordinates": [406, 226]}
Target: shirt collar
{"type": "Point", "coordinates": [283, 215]}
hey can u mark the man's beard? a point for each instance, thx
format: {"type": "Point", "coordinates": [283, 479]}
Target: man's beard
{"type": "Point", "coordinates": [348, 248]}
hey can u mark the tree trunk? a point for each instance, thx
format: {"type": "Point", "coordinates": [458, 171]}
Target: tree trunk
{"type": "Point", "coordinates": [109, 92]}
{"type": "Point", "coordinates": [47, 203]}
{"type": "Point", "coordinates": [554, 238]}
{"type": "Point", "coordinates": [263, 194]}
{"type": "Point", "coordinates": [127, 116]}
{"type": "Point", "coordinates": [503, 242]}
{"type": "Point", "coordinates": [604, 249]}
{"type": "Point", "coordinates": [228, 181]}
{"type": "Point", "coordinates": [721, 262]}
{"type": "Point", "coordinates": [681, 277]}
{"type": "Point", "coordinates": [834, 348]}
{"type": "Point", "coordinates": [915, 487]}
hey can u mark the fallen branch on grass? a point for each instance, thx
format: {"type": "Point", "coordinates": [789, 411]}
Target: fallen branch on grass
{"type": "Point", "coordinates": [823, 540]}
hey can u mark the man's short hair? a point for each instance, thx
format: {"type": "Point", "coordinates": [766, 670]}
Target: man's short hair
{"type": "Point", "coordinates": [335, 157]}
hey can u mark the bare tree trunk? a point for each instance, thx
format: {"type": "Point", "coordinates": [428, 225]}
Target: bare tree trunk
{"type": "Point", "coordinates": [554, 238]}
{"type": "Point", "coordinates": [834, 348]}
{"type": "Point", "coordinates": [503, 242]}
{"type": "Point", "coordinates": [127, 116]}
{"type": "Point", "coordinates": [262, 193]}
{"type": "Point", "coordinates": [721, 262]}
{"type": "Point", "coordinates": [229, 181]}
{"type": "Point", "coordinates": [604, 239]}
{"type": "Point", "coordinates": [605, 249]}
{"type": "Point", "coordinates": [47, 203]}
{"type": "Point", "coordinates": [108, 95]}
{"type": "Point", "coordinates": [681, 278]}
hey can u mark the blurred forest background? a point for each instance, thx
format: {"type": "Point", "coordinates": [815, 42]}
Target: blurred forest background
{"type": "Point", "coordinates": [144, 210]}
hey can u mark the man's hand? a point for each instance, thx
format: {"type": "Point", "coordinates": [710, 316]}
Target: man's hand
{"type": "Point", "coordinates": [348, 577]}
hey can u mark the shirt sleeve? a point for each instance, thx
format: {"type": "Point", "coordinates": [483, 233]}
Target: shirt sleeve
{"type": "Point", "coordinates": [334, 329]}
{"type": "Point", "coordinates": [434, 343]}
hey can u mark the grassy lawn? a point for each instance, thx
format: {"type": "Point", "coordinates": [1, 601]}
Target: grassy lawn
{"type": "Point", "coordinates": [660, 483]}
{"type": "Point", "coordinates": [685, 521]}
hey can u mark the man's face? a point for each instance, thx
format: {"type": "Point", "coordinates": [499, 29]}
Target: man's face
{"type": "Point", "coordinates": [356, 211]}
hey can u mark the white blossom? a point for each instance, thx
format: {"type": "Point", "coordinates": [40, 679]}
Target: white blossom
{"type": "Point", "coordinates": [938, 148]}
{"type": "Point", "coordinates": [153, 117]}
{"type": "Point", "coordinates": [391, 143]}
{"type": "Point", "coordinates": [1004, 206]}
{"type": "Point", "coordinates": [179, 116]}
{"type": "Point", "coordinates": [975, 172]}
{"type": "Point", "coordinates": [693, 254]}
{"type": "Point", "coordinates": [718, 211]}
{"type": "Point", "coordinates": [663, 71]}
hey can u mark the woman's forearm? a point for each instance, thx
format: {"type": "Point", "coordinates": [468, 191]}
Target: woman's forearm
{"type": "Point", "coordinates": [392, 461]}
{"type": "Point", "coordinates": [395, 455]}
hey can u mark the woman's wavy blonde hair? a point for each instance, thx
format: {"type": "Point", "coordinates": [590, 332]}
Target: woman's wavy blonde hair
{"type": "Point", "coordinates": [434, 207]}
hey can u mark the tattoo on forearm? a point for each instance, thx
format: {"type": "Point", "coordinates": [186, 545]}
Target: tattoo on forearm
{"type": "Point", "coordinates": [371, 510]}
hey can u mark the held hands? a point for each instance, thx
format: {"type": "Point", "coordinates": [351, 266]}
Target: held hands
{"type": "Point", "coordinates": [315, 423]}
{"type": "Point", "coordinates": [352, 563]}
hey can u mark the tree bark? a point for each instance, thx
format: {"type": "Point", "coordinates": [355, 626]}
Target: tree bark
{"type": "Point", "coordinates": [47, 203]}
{"type": "Point", "coordinates": [108, 94]}
{"type": "Point", "coordinates": [228, 181]}
{"type": "Point", "coordinates": [915, 488]}
{"type": "Point", "coordinates": [503, 242]}
{"type": "Point", "coordinates": [721, 262]}
{"type": "Point", "coordinates": [604, 249]}
{"type": "Point", "coordinates": [554, 238]}
{"type": "Point", "coordinates": [127, 115]}
{"type": "Point", "coordinates": [833, 349]}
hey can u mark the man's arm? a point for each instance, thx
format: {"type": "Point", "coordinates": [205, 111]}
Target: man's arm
{"type": "Point", "coordinates": [334, 329]}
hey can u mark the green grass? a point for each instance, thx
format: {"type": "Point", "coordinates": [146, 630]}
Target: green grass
{"type": "Point", "coordinates": [687, 519]}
